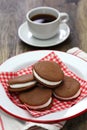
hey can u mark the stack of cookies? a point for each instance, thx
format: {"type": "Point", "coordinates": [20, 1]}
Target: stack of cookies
{"type": "Point", "coordinates": [46, 81]}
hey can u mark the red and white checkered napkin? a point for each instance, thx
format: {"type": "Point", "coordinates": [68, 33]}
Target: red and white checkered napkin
{"type": "Point", "coordinates": [57, 105]}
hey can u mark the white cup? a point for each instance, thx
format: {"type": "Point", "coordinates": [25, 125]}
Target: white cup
{"type": "Point", "coordinates": [47, 29]}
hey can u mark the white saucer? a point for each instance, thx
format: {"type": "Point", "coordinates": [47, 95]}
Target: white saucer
{"type": "Point", "coordinates": [26, 36]}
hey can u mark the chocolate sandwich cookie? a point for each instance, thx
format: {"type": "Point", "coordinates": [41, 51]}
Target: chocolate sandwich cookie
{"type": "Point", "coordinates": [68, 89]}
{"type": "Point", "coordinates": [21, 83]}
{"type": "Point", "coordinates": [38, 98]}
{"type": "Point", "coordinates": [48, 73]}
{"type": "Point", "coordinates": [35, 127]}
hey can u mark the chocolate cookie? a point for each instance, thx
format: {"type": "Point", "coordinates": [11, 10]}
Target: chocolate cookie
{"type": "Point", "coordinates": [37, 98]}
{"type": "Point", "coordinates": [48, 73]}
{"type": "Point", "coordinates": [68, 89]}
{"type": "Point", "coordinates": [35, 127]}
{"type": "Point", "coordinates": [21, 83]}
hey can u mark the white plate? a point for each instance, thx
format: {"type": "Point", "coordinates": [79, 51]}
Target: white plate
{"type": "Point", "coordinates": [26, 36]}
{"type": "Point", "coordinates": [75, 64]}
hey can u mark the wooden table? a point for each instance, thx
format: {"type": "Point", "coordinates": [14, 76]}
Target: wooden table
{"type": "Point", "coordinates": [12, 15]}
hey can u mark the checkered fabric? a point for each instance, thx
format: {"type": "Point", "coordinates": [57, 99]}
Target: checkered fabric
{"type": "Point", "coordinates": [57, 104]}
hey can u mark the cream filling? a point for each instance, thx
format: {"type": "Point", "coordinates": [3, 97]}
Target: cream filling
{"type": "Point", "coordinates": [22, 85]}
{"type": "Point", "coordinates": [45, 81]}
{"type": "Point", "coordinates": [69, 98]}
{"type": "Point", "coordinates": [41, 106]}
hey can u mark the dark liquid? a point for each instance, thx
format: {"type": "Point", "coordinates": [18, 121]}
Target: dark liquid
{"type": "Point", "coordinates": [43, 18]}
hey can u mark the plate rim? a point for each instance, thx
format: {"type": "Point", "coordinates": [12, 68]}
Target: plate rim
{"type": "Point", "coordinates": [45, 121]}
{"type": "Point", "coordinates": [36, 45]}
{"type": "Point", "coordinates": [39, 121]}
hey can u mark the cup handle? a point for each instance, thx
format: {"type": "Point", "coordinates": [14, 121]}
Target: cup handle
{"type": "Point", "coordinates": [64, 17]}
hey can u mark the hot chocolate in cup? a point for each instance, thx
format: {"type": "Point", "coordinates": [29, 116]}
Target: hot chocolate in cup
{"type": "Point", "coordinates": [43, 22]}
